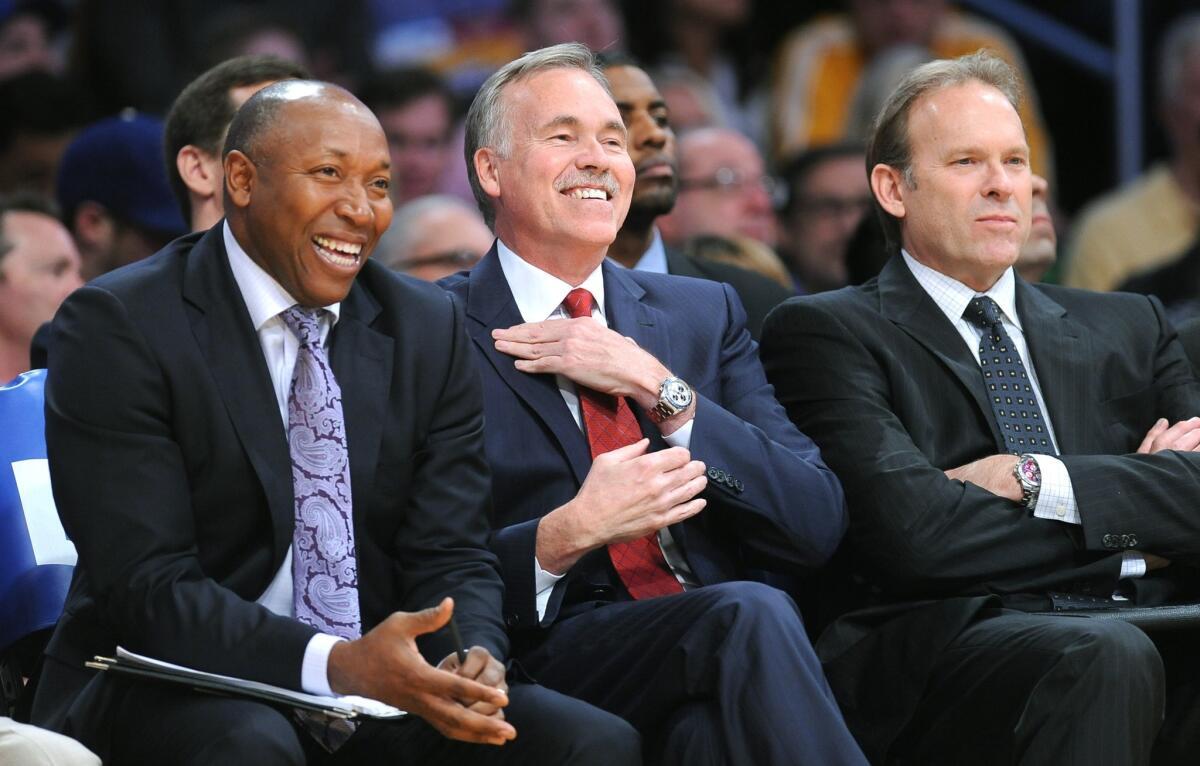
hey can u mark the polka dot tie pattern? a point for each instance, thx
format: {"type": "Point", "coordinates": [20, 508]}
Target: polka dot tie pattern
{"type": "Point", "coordinates": [611, 424]}
{"type": "Point", "coordinates": [324, 564]}
{"type": "Point", "coordinates": [1006, 383]}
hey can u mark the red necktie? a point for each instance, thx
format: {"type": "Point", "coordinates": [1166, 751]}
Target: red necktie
{"type": "Point", "coordinates": [610, 424]}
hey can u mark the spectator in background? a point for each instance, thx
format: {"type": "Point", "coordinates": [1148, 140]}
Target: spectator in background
{"type": "Point", "coordinates": [195, 129]}
{"type": "Point", "coordinates": [417, 112]}
{"type": "Point", "coordinates": [252, 31]}
{"type": "Point", "coordinates": [1155, 218]}
{"type": "Point", "coordinates": [820, 66]}
{"type": "Point", "coordinates": [828, 195]}
{"type": "Point", "coordinates": [598, 24]}
{"type": "Point", "coordinates": [724, 189]}
{"type": "Point", "coordinates": [651, 147]}
{"type": "Point", "coordinates": [41, 114]}
{"type": "Point", "coordinates": [744, 253]}
{"type": "Point", "coordinates": [1040, 250]}
{"type": "Point", "coordinates": [39, 267]}
{"type": "Point", "coordinates": [692, 100]}
{"type": "Point", "coordinates": [27, 32]}
{"type": "Point", "coordinates": [114, 195]}
{"type": "Point", "coordinates": [433, 237]}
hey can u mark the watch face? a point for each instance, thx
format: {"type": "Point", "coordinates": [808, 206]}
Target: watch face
{"type": "Point", "coordinates": [678, 393]}
{"type": "Point", "coordinates": [1030, 471]}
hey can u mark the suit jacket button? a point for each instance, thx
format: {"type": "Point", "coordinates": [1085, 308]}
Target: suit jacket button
{"type": "Point", "coordinates": [738, 485]}
{"type": "Point", "coordinates": [1131, 541]}
{"type": "Point", "coordinates": [1109, 541]}
{"type": "Point", "coordinates": [512, 620]}
{"type": "Point", "coordinates": [714, 474]}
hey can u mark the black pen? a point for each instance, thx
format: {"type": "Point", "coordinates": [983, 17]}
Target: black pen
{"type": "Point", "coordinates": [458, 644]}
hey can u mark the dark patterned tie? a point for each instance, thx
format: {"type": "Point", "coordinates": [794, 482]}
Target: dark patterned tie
{"type": "Point", "coordinates": [1006, 383]}
{"type": "Point", "coordinates": [610, 424]}
{"type": "Point", "coordinates": [324, 565]}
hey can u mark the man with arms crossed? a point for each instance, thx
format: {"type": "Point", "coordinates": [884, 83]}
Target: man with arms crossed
{"type": "Point", "coordinates": [1006, 448]}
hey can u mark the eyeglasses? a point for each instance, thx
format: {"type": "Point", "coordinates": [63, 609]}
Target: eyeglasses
{"type": "Point", "coordinates": [832, 207]}
{"type": "Point", "coordinates": [730, 180]}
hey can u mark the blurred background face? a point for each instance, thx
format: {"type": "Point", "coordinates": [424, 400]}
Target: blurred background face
{"type": "Point", "coordinates": [884, 23]}
{"type": "Point", "coordinates": [36, 275]}
{"type": "Point", "coordinates": [418, 136]}
{"type": "Point", "coordinates": [1041, 249]}
{"type": "Point", "coordinates": [829, 204]}
{"type": "Point", "coordinates": [724, 189]}
{"type": "Point", "coordinates": [435, 242]}
{"type": "Point", "coordinates": [1183, 111]}
{"type": "Point", "coordinates": [595, 23]}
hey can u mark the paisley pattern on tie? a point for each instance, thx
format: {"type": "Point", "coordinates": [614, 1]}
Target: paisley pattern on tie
{"type": "Point", "coordinates": [1006, 383]}
{"type": "Point", "coordinates": [324, 566]}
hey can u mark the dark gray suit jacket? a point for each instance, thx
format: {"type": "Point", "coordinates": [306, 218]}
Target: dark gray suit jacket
{"type": "Point", "coordinates": [893, 397]}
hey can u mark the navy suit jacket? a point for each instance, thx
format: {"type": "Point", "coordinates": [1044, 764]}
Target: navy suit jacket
{"type": "Point", "coordinates": [772, 503]}
{"type": "Point", "coordinates": [171, 471]}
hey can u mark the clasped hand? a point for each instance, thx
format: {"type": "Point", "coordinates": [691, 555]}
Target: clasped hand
{"type": "Point", "coordinates": [463, 702]}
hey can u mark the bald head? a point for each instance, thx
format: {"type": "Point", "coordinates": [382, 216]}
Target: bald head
{"type": "Point", "coordinates": [262, 112]}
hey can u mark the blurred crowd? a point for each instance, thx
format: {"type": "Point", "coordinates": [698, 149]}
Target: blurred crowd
{"type": "Point", "coordinates": [102, 162]}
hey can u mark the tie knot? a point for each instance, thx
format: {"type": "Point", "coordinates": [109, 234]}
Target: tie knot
{"type": "Point", "coordinates": [982, 311]}
{"type": "Point", "coordinates": [579, 303]}
{"type": "Point", "coordinates": [304, 324]}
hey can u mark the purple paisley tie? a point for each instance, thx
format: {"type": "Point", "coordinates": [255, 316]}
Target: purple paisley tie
{"type": "Point", "coordinates": [324, 566]}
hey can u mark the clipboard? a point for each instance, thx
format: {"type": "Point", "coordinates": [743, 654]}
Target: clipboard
{"type": "Point", "coordinates": [349, 707]}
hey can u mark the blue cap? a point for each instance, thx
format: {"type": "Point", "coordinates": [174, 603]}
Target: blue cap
{"type": "Point", "coordinates": [118, 163]}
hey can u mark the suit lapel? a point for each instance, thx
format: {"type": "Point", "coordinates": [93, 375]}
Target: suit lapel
{"type": "Point", "coordinates": [490, 305]}
{"type": "Point", "coordinates": [361, 359]}
{"type": "Point", "coordinates": [1057, 346]}
{"type": "Point", "coordinates": [903, 301]}
{"type": "Point", "coordinates": [221, 326]}
{"type": "Point", "coordinates": [628, 315]}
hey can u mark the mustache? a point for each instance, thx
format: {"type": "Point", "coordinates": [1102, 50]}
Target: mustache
{"type": "Point", "coordinates": [603, 180]}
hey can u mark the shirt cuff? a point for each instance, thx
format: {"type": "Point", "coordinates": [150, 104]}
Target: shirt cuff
{"type": "Point", "coordinates": [1056, 498]}
{"type": "Point", "coordinates": [544, 582]}
{"type": "Point", "coordinates": [314, 671]}
{"type": "Point", "coordinates": [682, 436]}
{"type": "Point", "coordinates": [1132, 565]}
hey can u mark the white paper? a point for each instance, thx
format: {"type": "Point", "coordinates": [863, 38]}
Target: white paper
{"type": "Point", "coordinates": [46, 535]}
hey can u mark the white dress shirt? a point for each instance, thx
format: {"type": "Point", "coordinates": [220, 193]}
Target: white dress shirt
{"type": "Point", "coordinates": [655, 258]}
{"type": "Point", "coordinates": [266, 300]}
{"type": "Point", "coordinates": [539, 296]}
{"type": "Point", "coordinates": [1056, 499]}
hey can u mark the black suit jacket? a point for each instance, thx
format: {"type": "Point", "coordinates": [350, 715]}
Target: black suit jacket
{"type": "Point", "coordinates": [172, 475]}
{"type": "Point", "coordinates": [772, 503]}
{"type": "Point", "coordinates": [758, 294]}
{"type": "Point", "coordinates": [892, 395]}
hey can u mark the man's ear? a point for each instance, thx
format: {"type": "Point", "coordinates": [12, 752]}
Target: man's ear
{"type": "Point", "coordinates": [196, 168]}
{"type": "Point", "coordinates": [93, 227]}
{"type": "Point", "coordinates": [487, 167]}
{"type": "Point", "coordinates": [240, 175]}
{"type": "Point", "coordinates": [887, 183]}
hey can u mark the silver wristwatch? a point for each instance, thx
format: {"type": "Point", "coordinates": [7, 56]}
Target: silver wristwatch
{"type": "Point", "coordinates": [1029, 475]}
{"type": "Point", "coordinates": [674, 396]}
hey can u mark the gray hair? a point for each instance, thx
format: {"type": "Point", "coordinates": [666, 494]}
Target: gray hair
{"type": "Point", "coordinates": [1181, 40]}
{"type": "Point", "coordinates": [889, 141]}
{"type": "Point", "coordinates": [487, 119]}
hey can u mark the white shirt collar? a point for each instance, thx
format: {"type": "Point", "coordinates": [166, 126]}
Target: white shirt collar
{"type": "Point", "coordinates": [539, 294]}
{"type": "Point", "coordinates": [952, 296]}
{"type": "Point", "coordinates": [655, 258]}
{"type": "Point", "coordinates": [265, 298]}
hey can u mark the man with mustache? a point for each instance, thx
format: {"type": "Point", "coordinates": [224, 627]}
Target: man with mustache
{"type": "Point", "coordinates": [1006, 448]}
{"type": "Point", "coordinates": [268, 451]}
{"type": "Point", "coordinates": [639, 244]}
{"type": "Point", "coordinates": [640, 463]}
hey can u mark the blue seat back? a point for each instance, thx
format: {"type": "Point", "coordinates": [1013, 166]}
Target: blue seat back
{"type": "Point", "coordinates": [36, 558]}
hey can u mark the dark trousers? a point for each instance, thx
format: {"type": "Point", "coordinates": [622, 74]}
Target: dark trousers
{"type": "Point", "coordinates": [1016, 688]}
{"type": "Point", "coordinates": [722, 674]}
{"type": "Point", "coordinates": [150, 723]}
